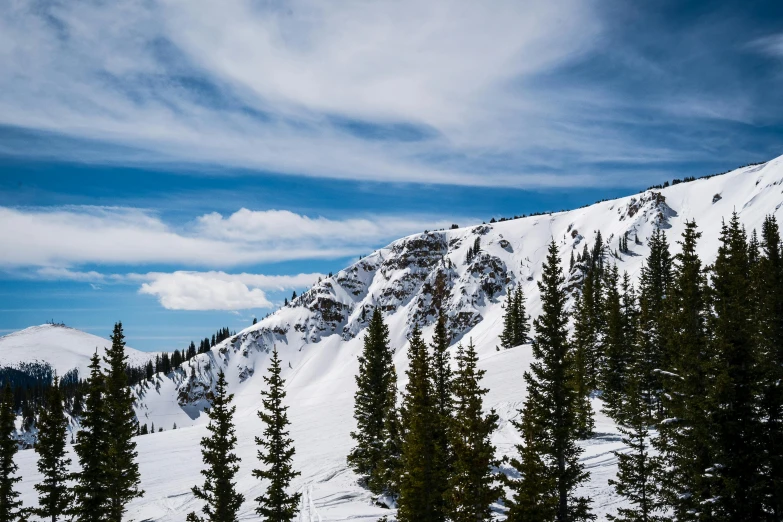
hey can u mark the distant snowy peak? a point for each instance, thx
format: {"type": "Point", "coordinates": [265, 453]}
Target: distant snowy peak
{"type": "Point", "coordinates": [63, 348]}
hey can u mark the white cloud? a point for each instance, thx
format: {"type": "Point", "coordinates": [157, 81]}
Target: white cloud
{"type": "Point", "coordinates": [64, 237]}
{"type": "Point", "coordinates": [276, 225]}
{"type": "Point", "coordinates": [218, 290]}
{"type": "Point", "coordinates": [187, 290]}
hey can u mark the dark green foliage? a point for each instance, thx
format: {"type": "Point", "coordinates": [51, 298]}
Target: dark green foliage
{"type": "Point", "coordinates": [735, 409]}
{"type": "Point", "coordinates": [392, 442]}
{"type": "Point", "coordinates": [769, 289]}
{"type": "Point", "coordinates": [374, 403]}
{"type": "Point", "coordinates": [636, 467]}
{"type": "Point", "coordinates": [10, 505]}
{"type": "Point", "coordinates": [472, 487]}
{"type": "Point", "coordinates": [550, 466]}
{"type": "Point", "coordinates": [685, 432]}
{"type": "Point", "coordinates": [419, 493]}
{"type": "Point", "coordinates": [54, 493]}
{"type": "Point", "coordinates": [441, 377]}
{"type": "Point", "coordinates": [619, 345]}
{"type": "Point", "coordinates": [222, 502]}
{"type": "Point", "coordinates": [589, 326]}
{"type": "Point", "coordinates": [654, 286]}
{"type": "Point", "coordinates": [122, 470]}
{"type": "Point", "coordinates": [91, 447]}
{"type": "Point", "coordinates": [584, 357]}
{"type": "Point", "coordinates": [515, 321]}
{"type": "Point", "coordinates": [277, 451]}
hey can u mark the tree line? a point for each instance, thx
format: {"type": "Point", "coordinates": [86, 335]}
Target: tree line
{"type": "Point", "coordinates": [688, 363]}
{"type": "Point", "coordinates": [109, 476]}
{"type": "Point", "coordinates": [31, 382]}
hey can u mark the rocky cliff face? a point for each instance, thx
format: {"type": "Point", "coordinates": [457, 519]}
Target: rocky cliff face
{"type": "Point", "coordinates": [413, 278]}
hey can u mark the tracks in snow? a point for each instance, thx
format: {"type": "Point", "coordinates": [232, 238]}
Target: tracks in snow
{"type": "Point", "coordinates": [308, 513]}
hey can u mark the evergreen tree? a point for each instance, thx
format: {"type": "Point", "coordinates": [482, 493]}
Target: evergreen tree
{"type": "Point", "coordinates": [769, 288]}
{"type": "Point", "coordinates": [507, 337]}
{"type": "Point", "coordinates": [222, 502]}
{"type": "Point", "coordinates": [277, 451]}
{"type": "Point", "coordinates": [589, 317]}
{"type": "Point", "coordinates": [91, 447]}
{"type": "Point", "coordinates": [734, 396]}
{"type": "Point", "coordinates": [637, 467]}
{"type": "Point", "coordinates": [122, 470]}
{"type": "Point", "coordinates": [374, 402]}
{"type": "Point", "coordinates": [684, 435]}
{"type": "Point", "coordinates": [472, 488]}
{"type": "Point", "coordinates": [392, 441]}
{"type": "Point", "coordinates": [419, 494]}
{"type": "Point", "coordinates": [10, 505]}
{"type": "Point", "coordinates": [619, 303]}
{"type": "Point", "coordinates": [54, 493]}
{"type": "Point", "coordinates": [515, 320]}
{"type": "Point", "coordinates": [654, 286]}
{"type": "Point", "coordinates": [550, 469]}
{"type": "Point", "coordinates": [582, 378]}
{"type": "Point", "coordinates": [441, 377]}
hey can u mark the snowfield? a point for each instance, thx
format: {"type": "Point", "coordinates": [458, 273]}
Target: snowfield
{"type": "Point", "coordinates": [63, 348]}
{"type": "Point", "coordinates": [319, 337]}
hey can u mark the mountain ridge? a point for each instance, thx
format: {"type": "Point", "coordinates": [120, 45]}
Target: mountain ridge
{"type": "Point", "coordinates": [319, 336]}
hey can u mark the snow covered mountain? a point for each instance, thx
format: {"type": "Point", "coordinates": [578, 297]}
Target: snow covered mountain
{"type": "Point", "coordinates": [63, 348]}
{"type": "Point", "coordinates": [319, 336]}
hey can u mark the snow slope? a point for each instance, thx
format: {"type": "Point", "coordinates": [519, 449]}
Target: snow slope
{"type": "Point", "coordinates": [320, 336]}
{"type": "Point", "coordinates": [63, 348]}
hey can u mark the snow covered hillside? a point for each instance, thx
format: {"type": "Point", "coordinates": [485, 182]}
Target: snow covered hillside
{"type": "Point", "coordinates": [63, 348]}
{"type": "Point", "coordinates": [319, 337]}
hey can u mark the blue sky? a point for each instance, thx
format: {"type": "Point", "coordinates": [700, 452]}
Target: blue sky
{"type": "Point", "coordinates": [184, 166]}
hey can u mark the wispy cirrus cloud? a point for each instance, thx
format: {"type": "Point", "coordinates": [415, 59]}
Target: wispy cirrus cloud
{"type": "Point", "coordinates": [771, 44]}
{"type": "Point", "coordinates": [394, 91]}
{"type": "Point", "coordinates": [542, 93]}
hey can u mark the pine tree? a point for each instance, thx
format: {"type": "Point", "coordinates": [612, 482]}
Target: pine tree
{"type": "Point", "coordinates": [392, 441]}
{"type": "Point", "coordinates": [654, 287]}
{"type": "Point", "coordinates": [472, 488]}
{"type": "Point", "coordinates": [222, 502]}
{"type": "Point", "coordinates": [54, 493]}
{"type": "Point", "coordinates": [373, 404]}
{"type": "Point", "coordinates": [684, 435]}
{"type": "Point", "coordinates": [507, 337]}
{"type": "Point", "coordinates": [515, 320]}
{"type": "Point", "coordinates": [10, 505]}
{"type": "Point", "coordinates": [769, 288]}
{"type": "Point", "coordinates": [277, 451]}
{"type": "Point", "coordinates": [582, 378]}
{"type": "Point", "coordinates": [419, 494]}
{"type": "Point", "coordinates": [734, 404]}
{"type": "Point", "coordinates": [441, 377]}
{"type": "Point", "coordinates": [521, 327]}
{"type": "Point", "coordinates": [637, 467]}
{"type": "Point", "coordinates": [550, 469]}
{"type": "Point", "coordinates": [91, 447]}
{"type": "Point", "coordinates": [619, 343]}
{"type": "Point", "coordinates": [122, 470]}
